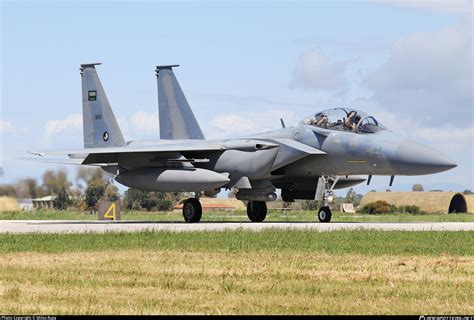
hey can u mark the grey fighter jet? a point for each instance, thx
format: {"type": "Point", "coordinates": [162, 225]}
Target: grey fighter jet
{"type": "Point", "coordinates": [325, 151]}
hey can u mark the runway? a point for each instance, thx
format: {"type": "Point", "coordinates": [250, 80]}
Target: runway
{"type": "Point", "coordinates": [75, 226]}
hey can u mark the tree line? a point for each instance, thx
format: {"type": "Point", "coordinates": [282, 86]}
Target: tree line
{"type": "Point", "coordinates": [90, 186]}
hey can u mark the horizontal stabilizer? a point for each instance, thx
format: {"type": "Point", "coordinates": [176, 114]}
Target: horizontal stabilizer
{"type": "Point", "coordinates": [61, 161]}
{"type": "Point", "coordinates": [145, 149]}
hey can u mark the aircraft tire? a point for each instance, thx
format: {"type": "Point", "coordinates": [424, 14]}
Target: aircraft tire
{"type": "Point", "coordinates": [257, 210]}
{"type": "Point", "coordinates": [192, 210]}
{"type": "Point", "coordinates": [324, 214]}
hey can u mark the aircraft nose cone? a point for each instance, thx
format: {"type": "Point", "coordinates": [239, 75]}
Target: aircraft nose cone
{"type": "Point", "coordinates": [413, 158]}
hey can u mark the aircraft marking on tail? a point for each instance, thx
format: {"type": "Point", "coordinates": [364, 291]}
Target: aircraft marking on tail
{"type": "Point", "coordinates": [92, 95]}
{"type": "Point", "coordinates": [100, 126]}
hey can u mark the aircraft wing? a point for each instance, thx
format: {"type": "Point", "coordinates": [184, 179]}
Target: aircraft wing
{"type": "Point", "coordinates": [145, 149]}
{"type": "Point", "coordinates": [289, 151]}
{"type": "Point", "coordinates": [159, 150]}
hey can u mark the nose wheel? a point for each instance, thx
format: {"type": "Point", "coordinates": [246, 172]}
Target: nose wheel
{"type": "Point", "coordinates": [324, 194]}
{"type": "Point", "coordinates": [324, 214]}
{"type": "Point", "coordinates": [257, 211]}
{"type": "Point", "coordinates": [192, 210]}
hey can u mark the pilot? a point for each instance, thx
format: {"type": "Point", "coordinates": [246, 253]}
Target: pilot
{"type": "Point", "coordinates": [349, 122]}
{"type": "Point", "coordinates": [322, 121]}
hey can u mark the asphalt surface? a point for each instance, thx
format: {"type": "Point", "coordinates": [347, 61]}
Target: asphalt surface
{"type": "Point", "coordinates": [75, 226]}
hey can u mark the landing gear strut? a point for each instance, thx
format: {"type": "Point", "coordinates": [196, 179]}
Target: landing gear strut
{"type": "Point", "coordinates": [192, 210]}
{"type": "Point", "coordinates": [256, 210]}
{"type": "Point", "coordinates": [324, 193]}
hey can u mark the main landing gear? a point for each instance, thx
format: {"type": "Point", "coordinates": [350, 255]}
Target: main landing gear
{"type": "Point", "coordinates": [324, 193]}
{"type": "Point", "coordinates": [192, 210]}
{"type": "Point", "coordinates": [256, 210]}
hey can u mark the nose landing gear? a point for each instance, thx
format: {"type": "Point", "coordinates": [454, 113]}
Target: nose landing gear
{"type": "Point", "coordinates": [325, 194]}
{"type": "Point", "coordinates": [324, 214]}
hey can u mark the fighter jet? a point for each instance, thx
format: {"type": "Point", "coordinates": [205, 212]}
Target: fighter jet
{"type": "Point", "coordinates": [325, 151]}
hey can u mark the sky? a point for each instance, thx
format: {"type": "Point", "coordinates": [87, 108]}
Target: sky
{"type": "Point", "coordinates": [243, 66]}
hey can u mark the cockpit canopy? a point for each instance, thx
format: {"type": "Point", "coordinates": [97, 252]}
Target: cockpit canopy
{"type": "Point", "coordinates": [345, 119]}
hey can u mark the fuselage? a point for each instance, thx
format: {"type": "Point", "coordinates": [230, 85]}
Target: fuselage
{"type": "Point", "coordinates": [346, 154]}
{"type": "Point", "coordinates": [350, 153]}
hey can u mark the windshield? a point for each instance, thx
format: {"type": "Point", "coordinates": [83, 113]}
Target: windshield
{"type": "Point", "coordinates": [345, 119]}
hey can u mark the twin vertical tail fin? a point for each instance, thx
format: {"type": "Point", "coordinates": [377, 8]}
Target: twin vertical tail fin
{"type": "Point", "coordinates": [99, 124]}
{"type": "Point", "coordinates": [177, 120]}
{"type": "Point", "coordinates": [101, 129]}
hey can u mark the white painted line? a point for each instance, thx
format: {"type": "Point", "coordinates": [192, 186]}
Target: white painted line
{"type": "Point", "coordinates": [70, 226]}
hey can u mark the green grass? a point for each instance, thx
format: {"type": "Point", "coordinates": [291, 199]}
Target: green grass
{"type": "Point", "coordinates": [240, 215]}
{"type": "Point", "coordinates": [432, 243]}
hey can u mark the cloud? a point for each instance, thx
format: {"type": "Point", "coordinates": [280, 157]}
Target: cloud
{"type": "Point", "coordinates": [73, 121]}
{"type": "Point", "coordinates": [456, 135]}
{"type": "Point", "coordinates": [437, 6]}
{"type": "Point", "coordinates": [7, 127]}
{"type": "Point", "coordinates": [231, 125]}
{"type": "Point", "coordinates": [429, 74]}
{"type": "Point", "coordinates": [124, 127]}
{"type": "Point", "coordinates": [145, 123]}
{"type": "Point", "coordinates": [315, 71]}
{"type": "Point", "coordinates": [69, 129]}
{"type": "Point", "coordinates": [237, 125]}
{"type": "Point", "coordinates": [59, 130]}
{"type": "Point", "coordinates": [447, 136]}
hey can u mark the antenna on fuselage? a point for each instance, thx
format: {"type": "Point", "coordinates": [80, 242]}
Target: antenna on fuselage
{"type": "Point", "coordinates": [391, 180]}
{"type": "Point", "coordinates": [282, 123]}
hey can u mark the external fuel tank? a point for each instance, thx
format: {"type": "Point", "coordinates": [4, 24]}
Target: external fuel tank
{"type": "Point", "coordinates": [172, 179]}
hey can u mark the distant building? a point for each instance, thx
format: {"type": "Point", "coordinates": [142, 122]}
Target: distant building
{"type": "Point", "coordinates": [429, 202]}
{"type": "Point", "coordinates": [44, 202]}
{"type": "Point", "coordinates": [26, 204]}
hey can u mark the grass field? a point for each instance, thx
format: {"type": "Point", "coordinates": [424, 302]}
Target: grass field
{"type": "Point", "coordinates": [273, 215]}
{"type": "Point", "coordinates": [238, 272]}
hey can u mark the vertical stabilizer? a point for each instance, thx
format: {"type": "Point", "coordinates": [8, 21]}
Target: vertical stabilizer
{"type": "Point", "coordinates": [177, 120]}
{"type": "Point", "coordinates": [99, 124]}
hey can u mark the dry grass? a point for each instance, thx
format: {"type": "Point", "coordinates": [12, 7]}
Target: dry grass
{"type": "Point", "coordinates": [255, 282]}
{"type": "Point", "coordinates": [8, 204]}
{"type": "Point", "coordinates": [430, 202]}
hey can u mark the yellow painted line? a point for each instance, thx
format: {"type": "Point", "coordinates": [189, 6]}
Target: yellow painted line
{"type": "Point", "coordinates": [356, 161]}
